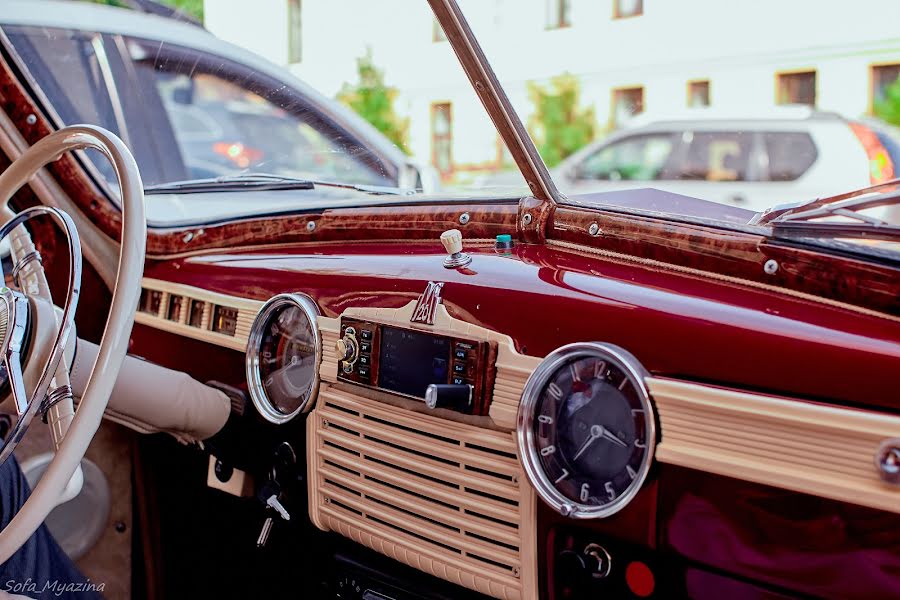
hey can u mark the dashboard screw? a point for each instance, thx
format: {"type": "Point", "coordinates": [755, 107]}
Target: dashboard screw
{"type": "Point", "coordinates": [464, 218]}
{"type": "Point", "coordinates": [310, 225]}
{"type": "Point", "coordinates": [888, 460]}
{"type": "Point", "coordinates": [594, 229]}
{"type": "Point", "coordinates": [526, 220]}
{"type": "Point", "coordinates": [31, 119]}
{"type": "Point", "coordinates": [771, 267]}
{"type": "Point", "coordinates": [120, 526]}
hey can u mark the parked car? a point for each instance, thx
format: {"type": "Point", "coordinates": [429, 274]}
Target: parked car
{"type": "Point", "coordinates": [788, 154]}
{"type": "Point", "coordinates": [190, 105]}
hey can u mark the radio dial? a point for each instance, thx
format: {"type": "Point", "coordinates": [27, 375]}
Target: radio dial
{"type": "Point", "coordinates": [347, 349]}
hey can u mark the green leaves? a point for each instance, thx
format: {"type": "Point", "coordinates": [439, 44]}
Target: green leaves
{"type": "Point", "coordinates": [374, 101]}
{"type": "Point", "coordinates": [559, 125]}
{"type": "Point", "coordinates": [888, 107]}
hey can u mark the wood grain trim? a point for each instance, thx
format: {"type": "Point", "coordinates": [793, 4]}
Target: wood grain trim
{"type": "Point", "coordinates": [815, 449]}
{"type": "Point", "coordinates": [247, 310]}
{"type": "Point", "coordinates": [512, 368]}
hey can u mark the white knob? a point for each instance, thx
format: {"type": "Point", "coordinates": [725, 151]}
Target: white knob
{"type": "Point", "coordinates": [452, 241]}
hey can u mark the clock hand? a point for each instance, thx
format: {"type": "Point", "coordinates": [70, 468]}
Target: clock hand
{"type": "Point", "coordinates": [607, 434]}
{"type": "Point", "coordinates": [596, 432]}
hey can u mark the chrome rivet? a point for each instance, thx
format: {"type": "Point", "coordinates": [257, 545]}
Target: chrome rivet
{"type": "Point", "coordinates": [310, 225]}
{"type": "Point", "coordinates": [771, 266]}
{"type": "Point", "coordinates": [566, 509]}
{"type": "Point", "coordinates": [464, 218]}
{"type": "Point", "coordinates": [888, 461]}
{"type": "Point", "coordinates": [188, 237]}
{"type": "Point", "coordinates": [31, 119]}
{"type": "Point", "coordinates": [515, 571]}
{"type": "Point", "coordinates": [526, 220]}
{"type": "Point", "coordinates": [325, 423]}
{"type": "Point", "coordinates": [594, 229]}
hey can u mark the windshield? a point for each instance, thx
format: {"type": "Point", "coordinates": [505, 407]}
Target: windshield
{"type": "Point", "coordinates": [616, 95]}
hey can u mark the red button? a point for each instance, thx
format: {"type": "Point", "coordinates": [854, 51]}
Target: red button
{"type": "Point", "coordinates": [640, 579]}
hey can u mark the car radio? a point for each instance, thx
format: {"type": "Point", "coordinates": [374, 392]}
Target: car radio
{"type": "Point", "coordinates": [445, 371]}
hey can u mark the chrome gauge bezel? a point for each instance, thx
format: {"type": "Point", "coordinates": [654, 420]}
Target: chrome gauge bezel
{"type": "Point", "coordinates": [525, 436]}
{"type": "Point", "coordinates": [258, 394]}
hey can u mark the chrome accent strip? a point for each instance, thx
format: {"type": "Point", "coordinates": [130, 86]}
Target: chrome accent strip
{"type": "Point", "coordinates": [254, 382]}
{"type": "Point", "coordinates": [525, 426]}
{"type": "Point", "coordinates": [55, 397]}
{"type": "Point", "coordinates": [25, 260]}
{"type": "Point", "coordinates": [12, 344]}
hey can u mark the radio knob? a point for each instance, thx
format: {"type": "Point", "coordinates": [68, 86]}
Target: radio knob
{"type": "Point", "coordinates": [345, 348]}
{"type": "Point", "coordinates": [454, 397]}
{"type": "Point", "coordinates": [453, 244]}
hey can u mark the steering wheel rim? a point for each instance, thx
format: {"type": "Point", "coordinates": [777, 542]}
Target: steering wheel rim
{"type": "Point", "coordinates": [116, 334]}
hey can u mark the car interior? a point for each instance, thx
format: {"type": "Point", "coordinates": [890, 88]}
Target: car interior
{"type": "Point", "coordinates": [374, 394]}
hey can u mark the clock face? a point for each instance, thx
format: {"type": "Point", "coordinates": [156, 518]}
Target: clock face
{"type": "Point", "coordinates": [592, 431]}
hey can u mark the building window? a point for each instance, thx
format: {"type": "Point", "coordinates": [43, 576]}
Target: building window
{"type": "Point", "coordinates": [882, 78]}
{"type": "Point", "coordinates": [442, 138]}
{"type": "Point", "coordinates": [295, 31]}
{"type": "Point", "coordinates": [797, 88]}
{"type": "Point", "coordinates": [558, 14]}
{"type": "Point", "coordinates": [623, 9]}
{"type": "Point", "coordinates": [626, 102]}
{"type": "Point", "coordinates": [437, 32]}
{"type": "Point", "coordinates": [698, 93]}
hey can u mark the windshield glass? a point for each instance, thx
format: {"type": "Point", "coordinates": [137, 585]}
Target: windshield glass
{"type": "Point", "coordinates": [616, 95]}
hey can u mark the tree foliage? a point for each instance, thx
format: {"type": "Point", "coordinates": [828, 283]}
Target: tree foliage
{"type": "Point", "coordinates": [888, 107]}
{"type": "Point", "coordinates": [193, 8]}
{"type": "Point", "coordinates": [559, 125]}
{"type": "Point", "coordinates": [373, 100]}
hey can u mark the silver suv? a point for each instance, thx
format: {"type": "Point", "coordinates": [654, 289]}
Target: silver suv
{"type": "Point", "coordinates": [788, 155]}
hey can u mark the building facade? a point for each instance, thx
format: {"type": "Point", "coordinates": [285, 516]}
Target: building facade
{"type": "Point", "coordinates": [659, 56]}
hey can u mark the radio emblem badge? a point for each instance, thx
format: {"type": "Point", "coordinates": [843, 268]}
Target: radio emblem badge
{"type": "Point", "coordinates": [427, 304]}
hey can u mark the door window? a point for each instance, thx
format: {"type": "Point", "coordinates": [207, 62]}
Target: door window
{"type": "Point", "coordinates": [74, 74]}
{"type": "Point", "coordinates": [716, 156]}
{"type": "Point", "coordinates": [638, 158]}
{"type": "Point", "coordinates": [790, 154]}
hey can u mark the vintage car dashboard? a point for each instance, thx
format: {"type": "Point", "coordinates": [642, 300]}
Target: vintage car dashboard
{"type": "Point", "coordinates": [446, 446]}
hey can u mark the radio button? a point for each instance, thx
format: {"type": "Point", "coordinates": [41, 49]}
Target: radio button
{"type": "Point", "coordinates": [464, 346]}
{"type": "Point", "coordinates": [460, 354]}
{"type": "Point", "coordinates": [365, 347]}
{"type": "Point", "coordinates": [364, 360]}
{"type": "Point", "coordinates": [459, 367]}
{"type": "Point", "coordinates": [459, 380]}
{"type": "Point", "coordinates": [365, 334]}
{"type": "Point", "coordinates": [363, 372]}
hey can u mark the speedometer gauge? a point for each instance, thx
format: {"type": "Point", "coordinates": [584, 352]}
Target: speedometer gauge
{"type": "Point", "coordinates": [283, 356]}
{"type": "Point", "coordinates": [586, 429]}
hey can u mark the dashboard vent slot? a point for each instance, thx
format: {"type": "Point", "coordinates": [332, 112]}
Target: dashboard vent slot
{"type": "Point", "coordinates": [438, 495]}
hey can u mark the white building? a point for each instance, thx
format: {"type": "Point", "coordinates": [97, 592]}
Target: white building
{"type": "Point", "coordinates": [630, 55]}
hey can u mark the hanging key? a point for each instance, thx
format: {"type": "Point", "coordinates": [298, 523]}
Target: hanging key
{"type": "Point", "coordinates": [264, 533]}
{"type": "Point", "coordinates": [268, 495]}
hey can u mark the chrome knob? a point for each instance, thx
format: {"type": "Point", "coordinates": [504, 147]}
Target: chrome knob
{"type": "Point", "coordinates": [452, 241]}
{"type": "Point", "coordinates": [346, 348]}
{"type": "Point", "coordinates": [888, 460]}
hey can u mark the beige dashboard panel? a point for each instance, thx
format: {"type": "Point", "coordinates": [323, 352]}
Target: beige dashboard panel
{"type": "Point", "coordinates": [816, 449]}
{"type": "Point", "coordinates": [196, 298]}
{"type": "Point", "coordinates": [513, 369]}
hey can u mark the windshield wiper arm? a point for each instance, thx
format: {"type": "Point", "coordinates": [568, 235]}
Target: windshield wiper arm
{"type": "Point", "coordinates": [232, 183]}
{"type": "Point", "coordinates": [805, 223]}
{"type": "Point", "coordinates": [784, 210]}
{"type": "Point", "coordinates": [262, 182]}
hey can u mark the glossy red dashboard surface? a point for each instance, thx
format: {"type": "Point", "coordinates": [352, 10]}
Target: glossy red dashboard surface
{"type": "Point", "coordinates": [678, 325]}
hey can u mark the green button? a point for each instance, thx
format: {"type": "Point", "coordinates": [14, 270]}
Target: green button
{"type": "Point", "coordinates": [504, 238]}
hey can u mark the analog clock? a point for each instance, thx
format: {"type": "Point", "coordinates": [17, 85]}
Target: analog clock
{"type": "Point", "coordinates": [587, 429]}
